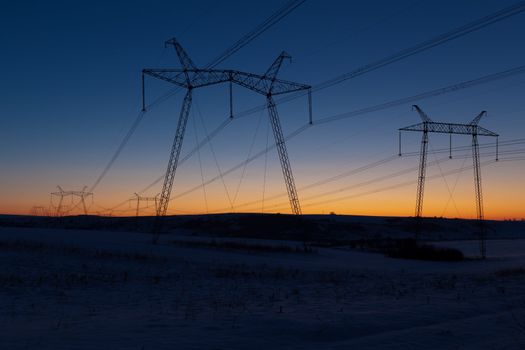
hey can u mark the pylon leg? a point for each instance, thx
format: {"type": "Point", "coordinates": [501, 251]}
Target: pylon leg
{"type": "Point", "coordinates": [84, 205]}
{"type": "Point", "coordinates": [421, 180]}
{"type": "Point", "coordinates": [173, 162]}
{"type": "Point", "coordinates": [283, 157]}
{"type": "Point", "coordinates": [479, 195]}
{"type": "Point", "coordinates": [59, 208]}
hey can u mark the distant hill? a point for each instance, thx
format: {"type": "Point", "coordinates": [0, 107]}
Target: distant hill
{"type": "Point", "coordinates": [320, 228]}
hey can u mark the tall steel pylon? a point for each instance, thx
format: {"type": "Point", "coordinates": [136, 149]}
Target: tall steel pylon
{"type": "Point", "coordinates": [472, 129]}
{"type": "Point", "coordinates": [38, 210]}
{"type": "Point", "coordinates": [190, 77]}
{"type": "Point", "coordinates": [140, 198]}
{"type": "Point", "coordinates": [271, 75]}
{"type": "Point", "coordinates": [82, 195]}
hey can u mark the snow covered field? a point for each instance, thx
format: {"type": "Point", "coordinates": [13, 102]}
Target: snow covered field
{"type": "Point", "coordinates": [499, 248]}
{"type": "Point", "coordinates": [73, 289]}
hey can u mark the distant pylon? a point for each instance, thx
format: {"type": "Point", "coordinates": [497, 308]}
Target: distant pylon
{"type": "Point", "coordinates": [138, 198]}
{"type": "Point", "coordinates": [472, 129]}
{"type": "Point", "coordinates": [82, 195]}
{"type": "Point", "coordinates": [38, 211]}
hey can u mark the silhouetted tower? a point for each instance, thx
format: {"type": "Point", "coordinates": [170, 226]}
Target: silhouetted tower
{"type": "Point", "coordinates": [82, 195]}
{"type": "Point", "coordinates": [61, 194]}
{"type": "Point", "coordinates": [147, 200]}
{"type": "Point", "coordinates": [270, 87]}
{"type": "Point", "coordinates": [472, 129]}
{"type": "Point", "coordinates": [38, 211]}
{"type": "Point", "coordinates": [190, 77]}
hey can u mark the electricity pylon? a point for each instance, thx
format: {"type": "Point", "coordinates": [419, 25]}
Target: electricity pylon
{"type": "Point", "coordinates": [38, 211]}
{"type": "Point", "coordinates": [140, 198]}
{"type": "Point", "coordinates": [190, 77]}
{"type": "Point", "coordinates": [82, 195]}
{"type": "Point", "coordinates": [473, 129]}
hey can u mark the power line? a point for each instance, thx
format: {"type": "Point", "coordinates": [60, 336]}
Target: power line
{"type": "Point", "coordinates": [265, 167]}
{"type": "Point", "coordinates": [239, 165]}
{"type": "Point", "coordinates": [261, 28]}
{"type": "Point", "coordinates": [408, 52]}
{"type": "Point", "coordinates": [120, 147]}
{"type": "Point", "coordinates": [200, 164]}
{"type": "Point", "coordinates": [197, 148]}
{"type": "Point", "coordinates": [325, 181]}
{"type": "Point", "coordinates": [359, 170]}
{"type": "Point", "coordinates": [361, 184]}
{"type": "Point", "coordinates": [384, 161]}
{"type": "Point", "coordinates": [404, 184]}
{"type": "Point", "coordinates": [432, 93]}
{"type": "Point", "coordinates": [391, 187]}
{"type": "Point", "coordinates": [428, 44]}
{"type": "Point", "coordinates": [450, 198]}
{"type": "Point", "coordinates": [380, 162]}
{"type": "Point", "coordinates": [214, 156]}
{"type": "Point", "coordinates": [243, 173]}
{"type": "Point", "coordinates": [386, 105]}
{"type": "Point", "coordinates": [450, 192]}
{"type": "Point", "coordinates": [443, 38]}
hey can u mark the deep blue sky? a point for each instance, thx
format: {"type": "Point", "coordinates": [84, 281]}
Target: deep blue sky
{"type": "Point", "coordinates": [70, 85]}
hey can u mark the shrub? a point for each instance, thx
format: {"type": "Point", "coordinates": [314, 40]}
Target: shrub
{"type": "Point", "coordinates": [410, 249]}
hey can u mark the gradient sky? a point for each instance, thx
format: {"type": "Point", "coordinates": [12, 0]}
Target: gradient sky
{"type": "Point", "coordinates": [70, 90]}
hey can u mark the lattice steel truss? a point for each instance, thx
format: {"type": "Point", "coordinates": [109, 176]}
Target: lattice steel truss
{"type": "Point", "coordinates": [473, 129]}
{"type": "Point", "coordinates": [61, 194]}
{"type": "Point", "coordinates": [38, 210]}
{"type": "Point", "coordinates": [190, 77]}
{"type": "Point", "coordinates": [147, 200]}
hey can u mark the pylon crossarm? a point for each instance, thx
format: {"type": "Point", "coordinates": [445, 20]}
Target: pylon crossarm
{"type": "Point", "coordinates": [73, 193]}
{"type": "Point", "coordinates": [264, 85]}
{"type": "Point", "coordinates": [280, 87]}
{"type": "Point", "coordinates": [196, 78]}
{"type": "Point", "coordinates": [62, 194]}
{"type": "Point", "coordinates": [450, 128]}
{"type": "Point", "coordinates": [81, 193]}
{"type": "Point", "coordinates": [206, 77]}
{"type": "Point", "coordinates": [174, 156]}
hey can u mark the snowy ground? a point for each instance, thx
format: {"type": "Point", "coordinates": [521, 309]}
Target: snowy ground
{"type": "Point", "coordinates": [64, 289]}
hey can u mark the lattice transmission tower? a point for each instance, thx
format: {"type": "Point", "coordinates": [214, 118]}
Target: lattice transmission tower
{"type": "Point", "coordinates": [138, 198]}
{"type": "Point", "coordinates": [190, 77]}
{"type": "Point", "coordinates": [473, 129]}
{"type": "Point", "coordinates": [38, 210]}
{"type": "Point", "coordinates": [61, 194]}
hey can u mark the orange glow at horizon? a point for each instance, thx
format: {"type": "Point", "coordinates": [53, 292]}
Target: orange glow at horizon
{"type": "Point", "coordinates": [397, 202]}
{"type": "Point", "coordinates": [450, 197]}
